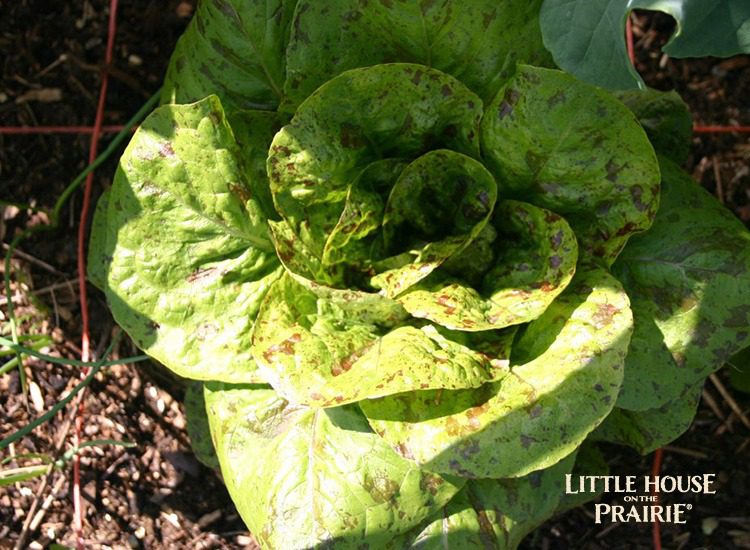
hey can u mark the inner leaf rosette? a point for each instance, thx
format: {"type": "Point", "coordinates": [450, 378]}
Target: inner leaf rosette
{"type": "Point", "coordinates": [407, 269]}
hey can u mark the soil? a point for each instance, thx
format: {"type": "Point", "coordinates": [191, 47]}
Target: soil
{"type": "Point", "coordinates": [157, 495]}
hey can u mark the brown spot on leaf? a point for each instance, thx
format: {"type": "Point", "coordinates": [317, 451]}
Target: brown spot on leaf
{"type": "Point", "coordinates": [240, 191]}
{"type": "Point", "coordinates": [469, 448]}
{"type": "Point", "coordinates": [450, 131]}
{"type": "Point", "coordinates": [165, 149]}
{"type": "Point", "coordinates": [613, 169]}
{"type": "Point", "coordinates": [346, 364]}
{"type": "Point", "coordinates": [403, 450]}
{"type": "Point", "coordinates": [455, 465]}
{"type": "Point", "coordinates": [351, 136]}
{"type": "Point", "coordinates": [556, 99]}
{"type": "Point", "coordinates": [626, 229]}
{"type": "Point", "coordinates": [636, 191]}
{"type": "Point", "coordinates": [510, 99]}
{"type": "Point", "coordinates": [286, 347]}
{"type": "Point", "coordinates": [430, 483]}
{"type": "Point", "coordinates": [199, 274]}
{"type": "Point", "coordinates": [605, 314]}
{"type": "Point", "coordinates": [445, 301]}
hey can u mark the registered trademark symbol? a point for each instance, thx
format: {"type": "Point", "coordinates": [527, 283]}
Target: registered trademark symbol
{"type": "Point", "coordinates": [689, 506]}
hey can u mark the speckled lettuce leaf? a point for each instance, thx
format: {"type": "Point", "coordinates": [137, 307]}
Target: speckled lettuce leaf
{"type": "Point", "coordinates": [566, 371]}
{"type": "Point", "coordinates": [356, 235]}
{"type": "Point", "coordinates": [97, 262]}
{"type": "Point", "coordinates": [572, 148]}
{"type": "Point", "coordinates": [665, 118]}
{"type": "Point", "coordinates": [590, 461]}
{"type": "Point", "coordinates": [304, 478]}
{"type": "Point", "coordinates": [254, 131]}
{"type": "Point", "coordinates": [496, 513]}
{"type": "Point", "coordinates": [186, 239]}
{"type": "Point", "coordinates": [234, 49]}
{"type": "Point", "coordinates": [647, 430]}
{"type": "Point", "coordinates": [534, 255]}
{"type": "Point", "coordinates": [739, 370]}
{"type": "Point", "coordinates": [197, 426]}
{"type": "Point", "coordinates": [689, 281]}
{"type": "Point", "coordinates": [325, 352]}
{"type": "Point", "coordinates": [438, 205]}
{"type": "Point", "coordinates": [587, 38]}
{"type": "Point", "coordinates": [477, 42]}
{"type": "Point", "coordinates": [298, 259]}
{"type": "Point", "coordinates": [359, 117]}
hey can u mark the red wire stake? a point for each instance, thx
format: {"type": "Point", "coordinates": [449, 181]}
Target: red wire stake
{"type": "Point", "coordinates": [629, 39]}
{"type": "Point", "coordinates": [34, 130]}
{"type": "Point", "coordinates": [85, 340]}
{"type": "Point", "coordinates": [720, 129]}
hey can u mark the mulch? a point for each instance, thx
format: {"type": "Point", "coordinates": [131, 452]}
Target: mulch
{"type": "Point", "coordinates": [157, 495]}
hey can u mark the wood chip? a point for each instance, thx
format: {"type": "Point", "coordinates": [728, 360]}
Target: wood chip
{"type": "Point", "coordinates": [43, 95]}
{"type": "Point", "coordinates": [35, 393]}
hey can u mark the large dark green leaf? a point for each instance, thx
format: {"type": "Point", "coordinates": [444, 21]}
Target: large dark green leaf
{"type": "Point", "coordinates": [666, 119]}
{"type": "Point", "coordinates": [185, 238]}
{"type": "Point", "coordinates": [316, 478]}
{"type": "Point", "coordinates": [496, 513]}
{"type": "Point", "coordinates": [563, 385]}
{"type": "Point", "coordinates": [478, 42]}
{"type": "Point", "coordinates": [587, 37]}
{"type": "Point", "coordinates": [688, 278]}
{"type": "Point", "coordinates": [234, 49]}
{"type": "Point", "coordinates": [650, 429]}
{"type": "Point", "coordinates": [571, 148]}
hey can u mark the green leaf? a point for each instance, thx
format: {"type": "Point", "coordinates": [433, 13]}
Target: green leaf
{"type": "Point", "coordinates": [197, 426]}
{"type": "Point", "coordinates": [535, 256]}
{"type": "Point", "coordinates": [11, 476]}
{"type": "Point", "coordinates": [739, 370]}
{"type": "Point", "coordinates": [587, 38]}
{"type": "Point", "coordinates": [324, 352]}
{"type": "Point", "coordinates": [590, 461]}
{"type": "Point", "coordinates": [666, 119]}
{"type": "Point", "coordinates": [185, 238]}
{"type": "Point", "coordinates": [355, 235]}
{"type": "Point", "coordinates": [496, 513]}
{"type": "Point", "coordinates": [97, 262]}
{"type": "Point", "coordinates": [235, 49]}
{"type": "Point", "coordinates": [364, 115]}
{"type": "Point", "coordinates": [562, 386]}
{"type": "Point", "coordinates": [298, 259]}
{"type": "Point", "coordinates": [571, 148]}
{"type": "Point", "coordinates": [689, 282]}
{"type": "Point", "coordinates": [477, 42]}
{"type": "Point", "coordinates": [650, 429]}
{"type": "Point", "coordinates": [304, 478]}
{"type": "Point", "coordinates": [254, 131]}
